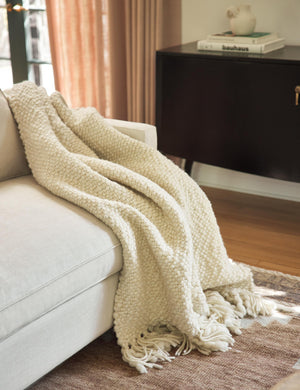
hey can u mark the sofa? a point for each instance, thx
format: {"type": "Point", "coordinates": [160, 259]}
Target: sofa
{"type": "Point", "coordinates": [59, 266]}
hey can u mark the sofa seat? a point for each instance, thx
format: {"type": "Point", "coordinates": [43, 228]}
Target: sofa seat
{"type": "Point", "coordinates": [51, 251]}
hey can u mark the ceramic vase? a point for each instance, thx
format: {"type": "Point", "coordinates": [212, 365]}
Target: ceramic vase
{"type": "Point", "coordinates": [242, 20]}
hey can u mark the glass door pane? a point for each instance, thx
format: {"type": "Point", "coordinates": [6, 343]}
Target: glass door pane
{"type": "Point", "coordinates": [34, 4]}
{"type": "Point", "coordinates": [6, 80]}
{"type": "Point", "coordinates": [42, 74]}
{"type": "Point", "coordinates": [37, 44]}
{"type": "Point", "coordinates": [4, 39]}
{"type": "Point", "coordinates": [37, 37]}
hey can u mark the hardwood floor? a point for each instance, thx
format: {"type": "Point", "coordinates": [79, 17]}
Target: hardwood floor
{"type": "Point", "coordinates": [260, 231]}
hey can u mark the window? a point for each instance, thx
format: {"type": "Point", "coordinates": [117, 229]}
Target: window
{"type": "Point", "coordinates": [24, 44]}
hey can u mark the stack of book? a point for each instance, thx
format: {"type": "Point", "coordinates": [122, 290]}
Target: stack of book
{"type": "Point", "coordinates": [258, 42]}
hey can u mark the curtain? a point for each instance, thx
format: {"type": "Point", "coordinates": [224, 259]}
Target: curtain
{"type": "Point", "coordinates": [103, 52]}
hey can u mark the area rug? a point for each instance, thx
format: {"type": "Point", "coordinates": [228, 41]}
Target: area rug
{"type": "Point", "coordinates": [267, 351]}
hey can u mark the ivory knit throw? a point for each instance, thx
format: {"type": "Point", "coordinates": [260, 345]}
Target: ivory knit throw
{"type": "Point", "coordinates": [177, 287]}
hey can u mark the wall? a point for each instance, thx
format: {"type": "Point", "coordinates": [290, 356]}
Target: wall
{"type": "Point", "coordinates": [202, 17]}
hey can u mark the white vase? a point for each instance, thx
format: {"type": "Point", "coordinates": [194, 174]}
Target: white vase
{"type": "Point", "coordinates": [242, 20]}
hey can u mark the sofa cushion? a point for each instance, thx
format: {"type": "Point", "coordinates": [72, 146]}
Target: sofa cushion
{"type": "Point", "coordinates": [50, 251]}
{"type": "Point", "coordinates": [12, 157]}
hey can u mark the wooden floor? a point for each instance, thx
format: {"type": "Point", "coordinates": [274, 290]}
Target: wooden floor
{"type": "Point", "coordinates": [260, 231]}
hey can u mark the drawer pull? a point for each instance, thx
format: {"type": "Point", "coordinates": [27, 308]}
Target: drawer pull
{"type": "Point", "coordinates": [297, 91]}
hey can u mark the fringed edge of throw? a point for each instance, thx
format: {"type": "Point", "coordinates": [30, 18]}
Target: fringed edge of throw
{"type": "Point", "coordinates": [227, 307]}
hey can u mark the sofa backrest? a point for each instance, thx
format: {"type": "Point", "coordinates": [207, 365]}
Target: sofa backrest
{"type": "Point", "coordinates": [12, 157]}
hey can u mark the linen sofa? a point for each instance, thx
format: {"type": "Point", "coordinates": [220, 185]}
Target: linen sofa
{"type": "Point", "coordinates": [59, 266]}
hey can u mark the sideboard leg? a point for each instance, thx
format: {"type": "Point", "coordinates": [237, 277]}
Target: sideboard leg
{"type": "Point", "coordinates": [188, 166]}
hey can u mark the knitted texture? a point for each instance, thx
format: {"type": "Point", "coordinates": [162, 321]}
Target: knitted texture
{"type": "Point", "coordinates": [177, 286]}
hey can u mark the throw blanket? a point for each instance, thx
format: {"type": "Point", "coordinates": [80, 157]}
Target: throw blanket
{"type": "Point", "coordinates": [177, 288]}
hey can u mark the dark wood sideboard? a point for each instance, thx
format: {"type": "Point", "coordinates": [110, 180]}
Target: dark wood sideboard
{"type": "Point", "coordinates": [232, 110]}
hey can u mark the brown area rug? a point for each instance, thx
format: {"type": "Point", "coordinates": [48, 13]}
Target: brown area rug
{"type": "Point", "coordinates": [267, 351]}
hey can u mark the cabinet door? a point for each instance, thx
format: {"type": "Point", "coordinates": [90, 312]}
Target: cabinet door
{"type": "Point", "coordinates": [269, 120]}
{"type": "Point", "coordinates": [234, 114]}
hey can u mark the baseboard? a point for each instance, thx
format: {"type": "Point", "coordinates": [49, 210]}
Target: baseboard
{"type": "Point", "coordinates": [211, 176]}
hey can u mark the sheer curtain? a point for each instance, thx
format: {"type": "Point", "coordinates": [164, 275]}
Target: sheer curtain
{"type": "Point", "coordinates": [103, 52]}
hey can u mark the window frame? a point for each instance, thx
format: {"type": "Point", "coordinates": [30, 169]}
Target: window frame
{"type": "Point", "coordinates": [17, 41]}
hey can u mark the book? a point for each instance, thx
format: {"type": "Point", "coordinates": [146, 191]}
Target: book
{"type": "Point", "coordinates": [255, 38]}
{"type": "Point", "coordinates": [261, 48]}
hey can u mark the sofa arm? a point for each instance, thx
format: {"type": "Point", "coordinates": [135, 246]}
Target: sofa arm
{"type": "Point", "coordinates": [140, 131]}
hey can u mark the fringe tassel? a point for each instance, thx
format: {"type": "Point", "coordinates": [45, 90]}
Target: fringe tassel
{"type": "Point", "coordinates": [154, 346]}
{"type": "Point", "coordinates": [247, 302]}
{"type": "Point", "coordinates": [151, 347]}
{"type": "Point", "coordinates": [223, 311]}
{"type": "Point", "coordinates": [227, 306]}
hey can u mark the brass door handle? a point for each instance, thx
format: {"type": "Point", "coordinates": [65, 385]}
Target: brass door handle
{"type": "Point", "coordinates": [297, 91]}
{"type": "Point", "coordinates": [16, 7]}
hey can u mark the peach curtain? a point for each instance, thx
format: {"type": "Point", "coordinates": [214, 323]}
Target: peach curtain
{"type": "Point", "coordinates": [103, 52]}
